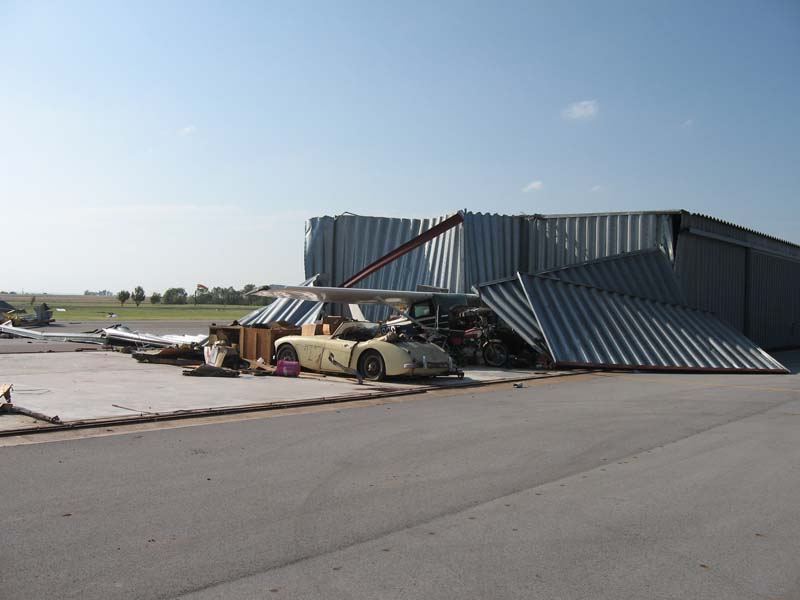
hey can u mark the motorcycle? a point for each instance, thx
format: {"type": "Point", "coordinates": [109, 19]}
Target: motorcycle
{"type": "Point", "coordinates": [480, 337]}
{"type": "Point", "coordinates": [493, 350]}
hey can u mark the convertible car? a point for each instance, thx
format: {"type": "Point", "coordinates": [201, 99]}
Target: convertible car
{"type": "Point", "coordinates": [368, 350]}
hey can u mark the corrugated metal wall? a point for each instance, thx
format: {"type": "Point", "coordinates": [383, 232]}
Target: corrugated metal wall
{"type": "Point", "coordinates": [494, 247]}
{"type": "Point", "coordinates": [773, 303]}
{"type": "Point", "coordinates": [340, 247]}
{"type": "Point", "coordinates": [760, 241]}
{"type": "Point", "coordinates": [319, 249]}
{"type": "Point", "coordinates": [497, 246]}
{"type": "Point", "coordinates": [558, 241]}
{"type": "Point", "coordinates": [484, 248]}
{"type": "Point", "coordinates": [750, 280]}
{"type": "Point", "coordinates": [712, 275]}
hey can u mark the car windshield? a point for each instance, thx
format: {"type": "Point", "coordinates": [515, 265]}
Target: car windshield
{"type": "Point", "coordinates": [357, 332]}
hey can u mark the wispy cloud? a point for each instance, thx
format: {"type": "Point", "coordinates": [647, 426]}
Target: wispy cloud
{"type": "Point", "coordinates": [533, 186]}
{"type": "Point", "coordinates": [687, 123]}
{"type": "Point", "coordinates": [188, 130]}
{"type": "Point", "coordinates": [595, 188]}
{"type": "Point", "coordinates": [585, 110]}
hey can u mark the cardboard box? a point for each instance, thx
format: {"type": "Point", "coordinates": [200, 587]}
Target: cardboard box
{"type": "Point", "coordinates": [313, 329]}
{"type": "Point", "coordinates": [259, 342]}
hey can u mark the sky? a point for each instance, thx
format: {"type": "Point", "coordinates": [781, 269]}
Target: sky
{"type": "Point", "coordinates": [173, 143]}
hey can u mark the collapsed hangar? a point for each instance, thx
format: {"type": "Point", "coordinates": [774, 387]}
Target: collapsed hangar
{"type": "Point", "coordinates": [748, 279]}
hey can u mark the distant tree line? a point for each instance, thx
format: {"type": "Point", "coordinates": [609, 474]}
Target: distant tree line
{"type": "Point", "coordinates": [203, 295]}
{"type": "Point", "coordinates": [137, 296]}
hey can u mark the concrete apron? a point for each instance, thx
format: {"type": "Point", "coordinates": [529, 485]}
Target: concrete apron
{"type": "Point", "coordinates": [102, 388]}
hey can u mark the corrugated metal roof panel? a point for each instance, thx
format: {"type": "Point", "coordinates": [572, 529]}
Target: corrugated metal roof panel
{"type": "Point", "coordinates": [507, 299]}
{"type": "Point", "coordinates": [644, 273]}
{"type": "Point", "coordinates": [586, 326]}
{"type": "Point", "coordinates": [297, 312]}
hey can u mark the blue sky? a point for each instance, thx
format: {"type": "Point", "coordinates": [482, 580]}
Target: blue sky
{"type": "Point", "coordinates": [174, 143]}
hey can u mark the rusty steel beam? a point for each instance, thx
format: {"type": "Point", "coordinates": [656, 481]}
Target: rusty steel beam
{"type": "Point", "coordinates": [410, 245]}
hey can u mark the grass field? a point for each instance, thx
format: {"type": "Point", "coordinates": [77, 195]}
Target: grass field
{"type": "Point", "coordinates": [92, 308]}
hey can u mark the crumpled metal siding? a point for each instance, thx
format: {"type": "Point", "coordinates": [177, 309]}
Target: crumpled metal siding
{"type": "Point", "coordinates": [558, 241]}
{"type": "Point", "coordinates": [589, 327]}
{"type": "Point", "coordinates": [507, 299]}
{"type": "Point", "coordinates": [644, 273]}
{"type": "Point", "coordinates": [297, 312]}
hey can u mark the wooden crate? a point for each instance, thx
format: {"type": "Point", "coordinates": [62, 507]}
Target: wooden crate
{"type": "Point", "coordinates": [259, 342]}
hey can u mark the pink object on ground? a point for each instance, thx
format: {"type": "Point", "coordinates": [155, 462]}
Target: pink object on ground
{"type": "Point", "coordinates": [287, 368]}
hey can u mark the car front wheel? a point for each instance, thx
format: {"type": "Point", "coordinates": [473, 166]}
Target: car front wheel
{"type": "Point", "coordinates": [287, 353]}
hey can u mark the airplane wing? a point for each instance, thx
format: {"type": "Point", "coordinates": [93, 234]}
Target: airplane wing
{"type": "Point", "coordinates": [342, 295]}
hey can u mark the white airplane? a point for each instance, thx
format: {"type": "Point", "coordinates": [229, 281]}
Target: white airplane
{"type": "Point", "coordinates": [428, 309]}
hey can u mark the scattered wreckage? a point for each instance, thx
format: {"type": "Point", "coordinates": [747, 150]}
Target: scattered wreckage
{"type": "Point", "coordinates": [19, 317]}
{"type": "Point", "coordinates": [116, 335]}
{"type": "Point", "coordinates": [369, 351]}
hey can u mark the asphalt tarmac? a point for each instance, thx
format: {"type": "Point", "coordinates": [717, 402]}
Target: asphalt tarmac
{"type": "Point", "coordinates": [590, 486]}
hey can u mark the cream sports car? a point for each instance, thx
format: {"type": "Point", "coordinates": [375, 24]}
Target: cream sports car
{"type": "Point", "coordinates": [368, 350]}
